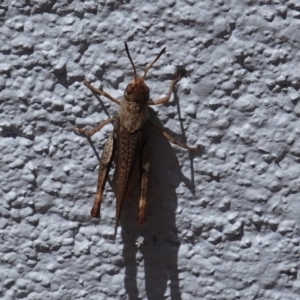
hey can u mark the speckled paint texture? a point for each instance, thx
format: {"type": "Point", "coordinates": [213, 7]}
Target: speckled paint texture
{"type": "Point", "coordinates": [223, 222]}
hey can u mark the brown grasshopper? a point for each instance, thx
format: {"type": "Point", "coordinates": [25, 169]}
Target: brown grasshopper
{"type": "Point", "coordinates": [128, 140]}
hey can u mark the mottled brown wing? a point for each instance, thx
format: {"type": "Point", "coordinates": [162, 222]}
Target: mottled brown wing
{"type": "Point", "coordinates": [129, 146]}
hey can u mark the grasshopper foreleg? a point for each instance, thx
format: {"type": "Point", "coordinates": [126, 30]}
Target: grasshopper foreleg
{"type": "Point", "coordinates": [105, 164]}
{"type": "Point", "coordinates": [99, 92]}
{"type": "Point", "coordinates": [167, 98]}
{"type": "Point", "coordinates": [145, 174]}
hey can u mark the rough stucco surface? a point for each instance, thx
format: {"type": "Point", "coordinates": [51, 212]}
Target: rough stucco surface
{"type": "Point", "coordinates": [223, 222]}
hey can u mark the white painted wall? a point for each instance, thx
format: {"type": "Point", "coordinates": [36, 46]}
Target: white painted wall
{"type": "Point", "coordinates": [223, 223]}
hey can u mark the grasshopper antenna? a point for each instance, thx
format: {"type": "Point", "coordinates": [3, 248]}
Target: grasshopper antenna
{"type": "Point", "coordinates": [150, 66]}
{"type": "Point", "coordinates": [133, 66]}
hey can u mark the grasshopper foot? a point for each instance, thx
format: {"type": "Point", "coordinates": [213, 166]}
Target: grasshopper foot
{"type": "Point", "coordinates": [86, 83]}
{"type": "Point", "coordinates": [95, 211]}
{"type": "Point", "coordinates": [194, 148]}
{"type": "Point", "coordinates": [141, 216]}
{"type": "Point", "coordinates": [80, 131]}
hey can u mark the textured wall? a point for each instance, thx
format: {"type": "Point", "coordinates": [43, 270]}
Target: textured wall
{"type": "Point", "coordinates": [223, 222]}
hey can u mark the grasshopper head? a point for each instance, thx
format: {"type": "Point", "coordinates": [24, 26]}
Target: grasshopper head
{"type": "Point", "coordinates": [137, 90]}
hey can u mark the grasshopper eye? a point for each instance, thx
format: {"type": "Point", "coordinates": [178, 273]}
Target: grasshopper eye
{"type": "Point", "coordinates": [129, 89]}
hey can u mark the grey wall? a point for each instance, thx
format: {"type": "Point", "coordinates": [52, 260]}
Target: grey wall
{"type": "Point", "coordinates": [223, 222]}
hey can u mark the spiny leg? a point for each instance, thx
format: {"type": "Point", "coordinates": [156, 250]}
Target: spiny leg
{"type": "Point", "coordinates": [89, 133]}
{"type": "Point", "coordinates": [145, 174]}
{"type": "Point", "coordinates": [99, 92]}
{"type": "Point", "coordinates": [167, 98]}
{"type": "Point", "coordinates": [105, 164]}
{"type": "Point", "coordinates": [172, 139]}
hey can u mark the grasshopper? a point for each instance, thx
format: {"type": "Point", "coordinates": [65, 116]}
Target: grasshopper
{"type": "Point", "coordinates": [128, 140]}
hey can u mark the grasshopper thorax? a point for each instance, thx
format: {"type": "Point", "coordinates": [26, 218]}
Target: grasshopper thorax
{"type": "Point", "coordinates": [137, 91]}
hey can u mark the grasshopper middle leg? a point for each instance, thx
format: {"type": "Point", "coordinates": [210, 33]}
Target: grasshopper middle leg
{"type": "Point", "coordinates": [172, 139]}
{"type": "Point", "coordinates": [89, 133]}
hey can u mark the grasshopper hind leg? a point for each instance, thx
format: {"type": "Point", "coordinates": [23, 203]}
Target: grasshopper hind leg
{"type": "Point", "coordinates": [105, 164]}
{"type": "Point", "coordinates": [145, 174]}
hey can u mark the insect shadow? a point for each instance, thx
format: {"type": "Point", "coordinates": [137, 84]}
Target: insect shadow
{"type": "Point", "coordinates": [160, 244]}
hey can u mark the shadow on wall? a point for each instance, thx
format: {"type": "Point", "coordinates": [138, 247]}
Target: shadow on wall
{"type": "Point", "coordinates": [160, 246]}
